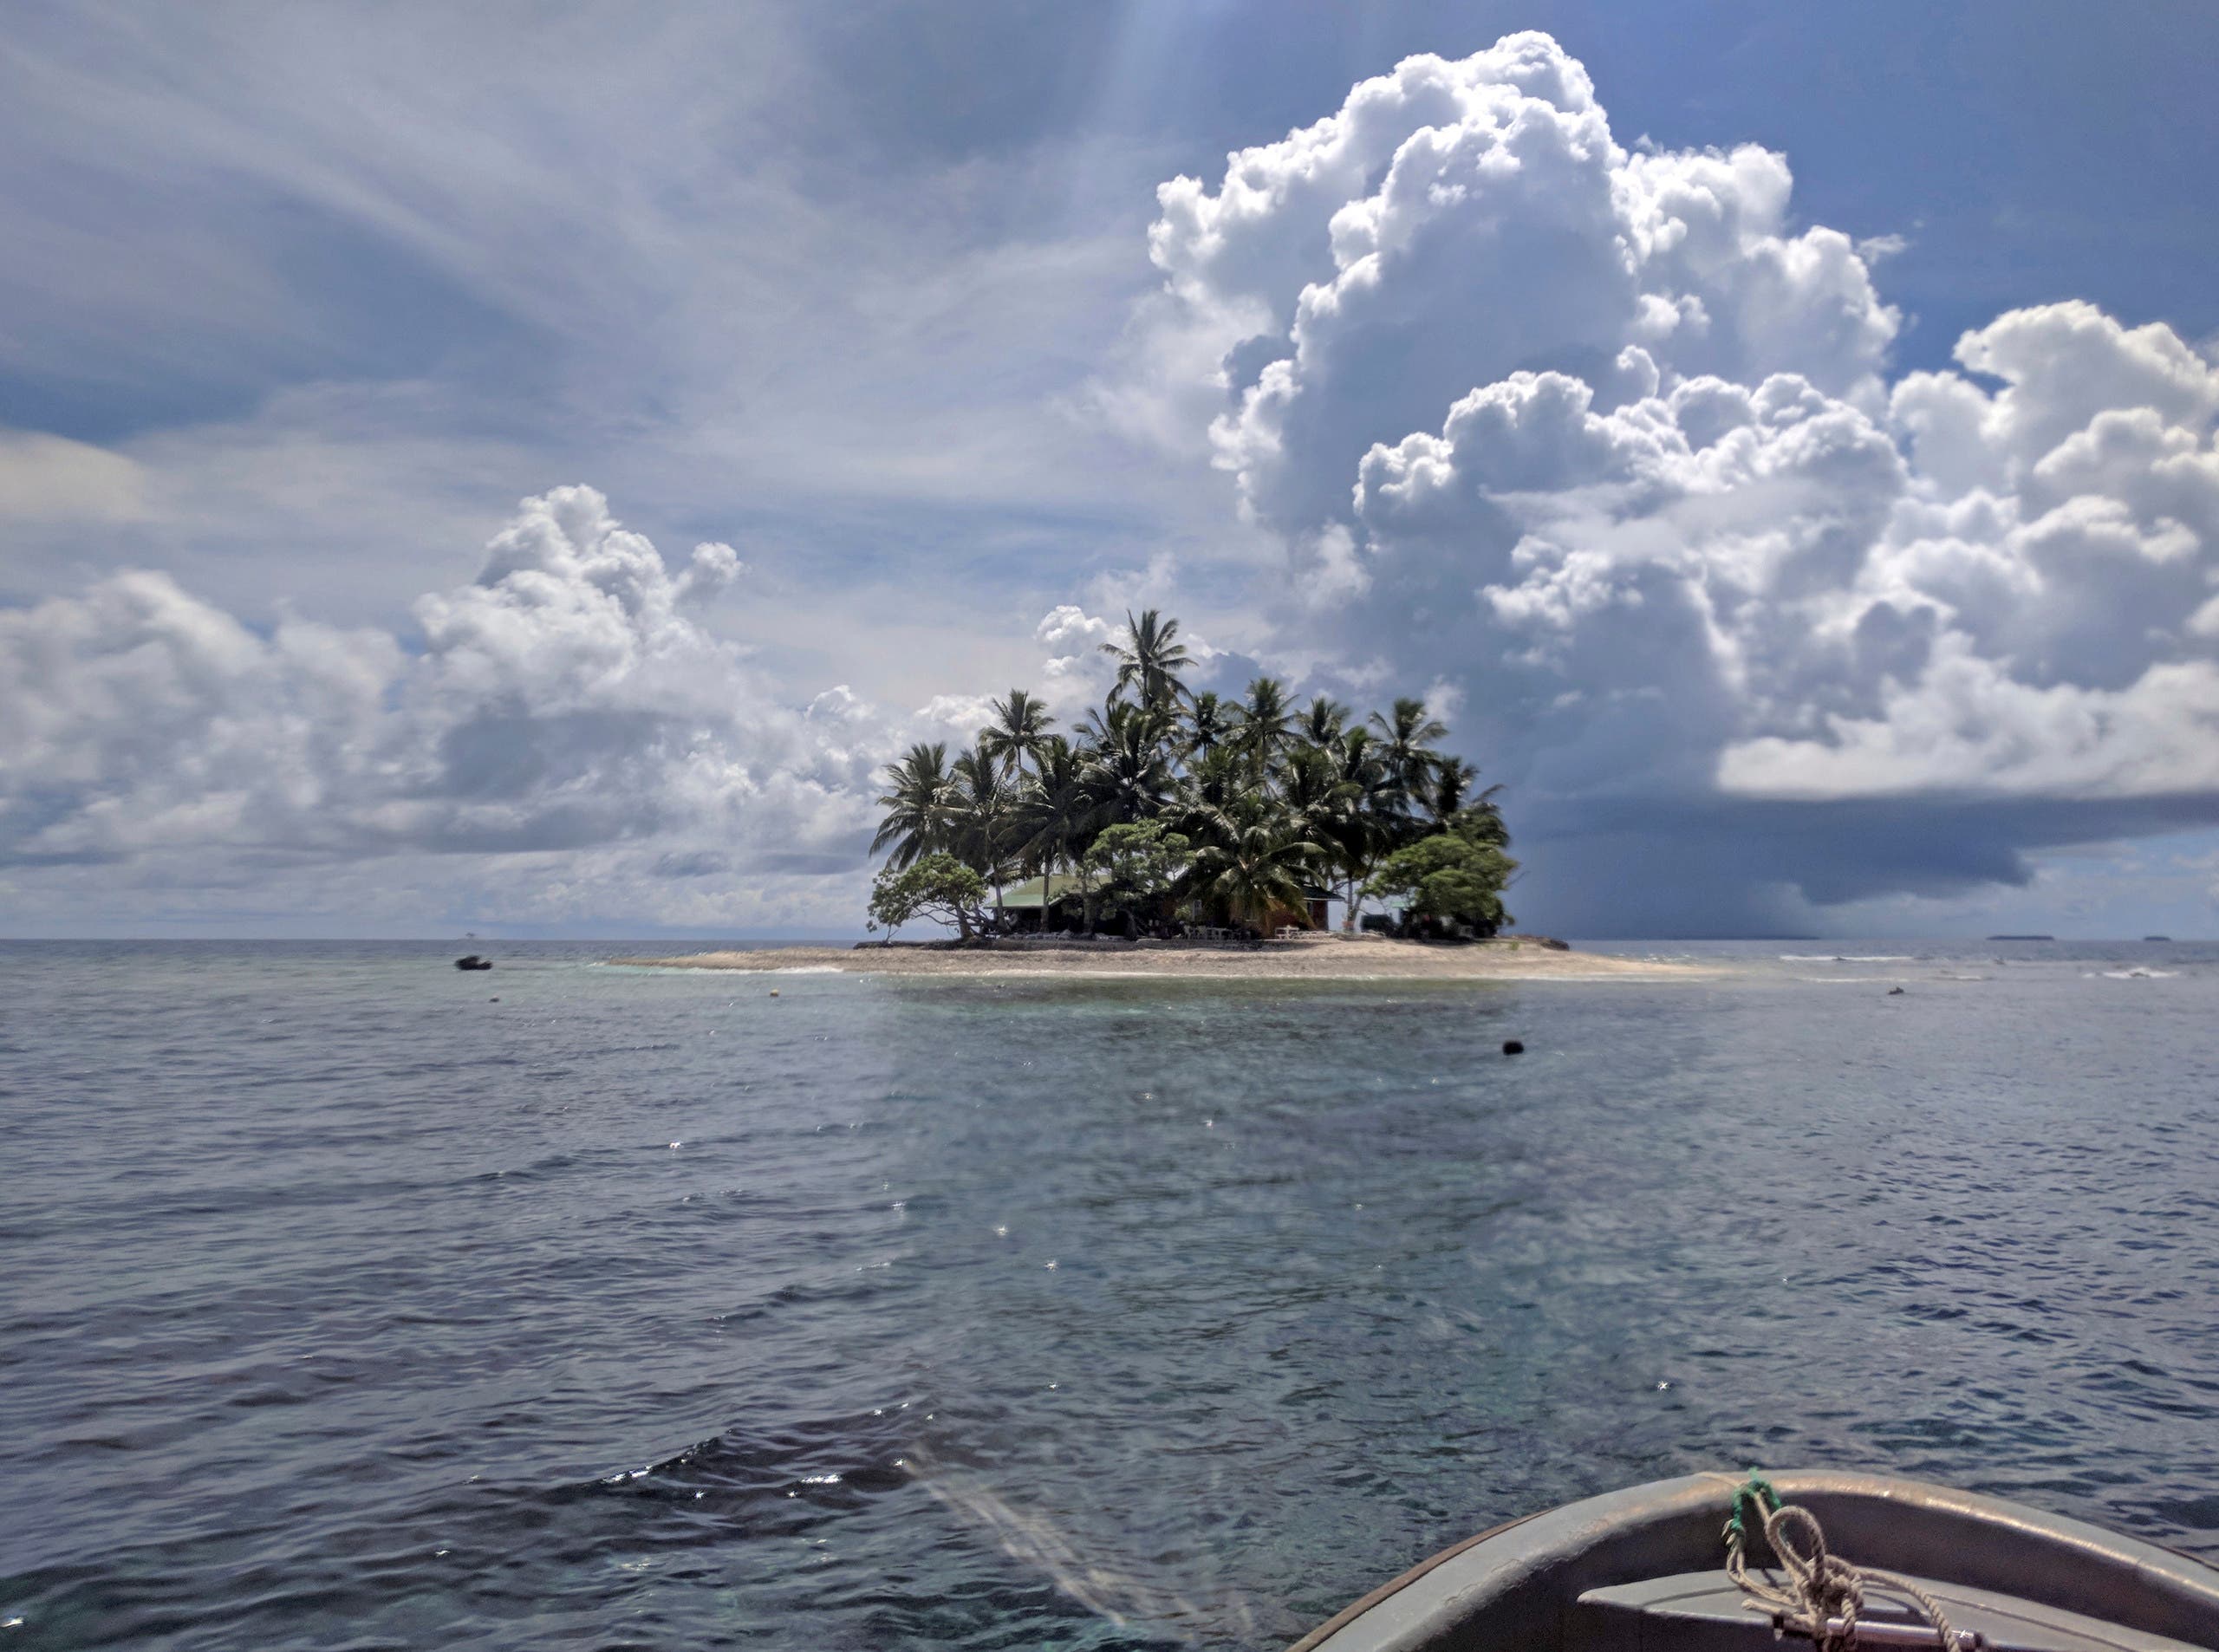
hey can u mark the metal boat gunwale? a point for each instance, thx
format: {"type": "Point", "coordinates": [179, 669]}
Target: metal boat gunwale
{"type": "Point", "coordinates": [1517, 1584]}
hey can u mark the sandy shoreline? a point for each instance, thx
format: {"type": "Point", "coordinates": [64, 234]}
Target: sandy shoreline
{"type": "Point", "coordinates": [1321, 958]}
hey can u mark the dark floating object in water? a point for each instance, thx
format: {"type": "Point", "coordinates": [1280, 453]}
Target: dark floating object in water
{"type": "Point", "coordinates": [1895, 992]}
{"type": "Point", "coordinates": [1511, 1047]}
{"type": "Point", "coordinates": [1645, 1567]}
{"type": "Point", "coordinates": [2023, 937]}
{"type": "Point", "coordinates": [471, 960]}
{"type": "Point", "coordinates": [2162, 940]}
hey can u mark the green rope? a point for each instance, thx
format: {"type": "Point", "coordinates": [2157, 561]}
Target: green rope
{"type": "Point", "coordinates": [1757, 1495]}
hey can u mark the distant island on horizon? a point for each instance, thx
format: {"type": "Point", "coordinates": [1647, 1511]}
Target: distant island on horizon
{"type": "Point", "coordinates": [1172, 814]}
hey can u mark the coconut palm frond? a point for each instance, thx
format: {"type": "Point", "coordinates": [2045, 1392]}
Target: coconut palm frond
{"type": "Point", "coordinates": [916, 799]}
{"type": "Point", "coordinates": [1150, 660]}
{"type": "Point", "coordinates": [1020, 724]}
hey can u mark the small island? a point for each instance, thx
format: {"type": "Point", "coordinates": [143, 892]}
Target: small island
{"type": "Point", "coordinates": [1173, 815]}
{"type": "Point", "coordinates": [1179, 834]}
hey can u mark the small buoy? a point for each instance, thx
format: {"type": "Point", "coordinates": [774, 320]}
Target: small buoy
{"type": "Point", "coordinates": [774, 991]}
{"type": "Point", "coordinates": [492, 1000]}
{"type": "Point", "coordinates": [1511, 1047]}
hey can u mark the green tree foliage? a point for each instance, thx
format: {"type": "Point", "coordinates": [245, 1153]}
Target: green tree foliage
{"type": "Point", "coordinates": [1130, 868]}
{"type": "Point", "coordinates": [1323, 721]}
{"type": "Point", "coordinates": [1265, 723]}
{"type": "Point", "coordinates": [1209, 725]}
{"type": "Point", "coordinates": [1240, 807]}
{"type": "Point", "coordinates": [1149, 660]}
{"type": "Point", "coordinates": [1311, 794]}
{"type": "Point", "coordinates": [980, 814]}
{"type": "Point", "coordinates": [1480, 822]}
{"type": "Point", "coordinates": [1407, 736]}
{"type": "Point", "coordinates": [1256, 859]}
{"type": "Point", "coordinates": [1019, 729]}
{"type": "Point", "coordinates": [1455, 875]}
{"type": "Point", "coordinates": [937, 888]}
{"type": "Point", "coordinates": [1059, 814]}
{"type": "Point", "coordinates": [1365, 828]}
{"type": "Point", "coordinates": [916, 802]}
{"type": "Point", "coordinates": [1129, 769]}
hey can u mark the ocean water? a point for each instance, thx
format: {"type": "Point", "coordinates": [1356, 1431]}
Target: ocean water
{"type": "Point", "coordinates": [347, 1301]}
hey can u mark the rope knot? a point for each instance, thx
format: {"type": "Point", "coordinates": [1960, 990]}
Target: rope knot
{"type": "Point", "coordinates": [1822, 1594]}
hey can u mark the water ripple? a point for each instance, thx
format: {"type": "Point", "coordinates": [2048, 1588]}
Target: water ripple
{"type": "Point", "coordinates": [346, 1309]}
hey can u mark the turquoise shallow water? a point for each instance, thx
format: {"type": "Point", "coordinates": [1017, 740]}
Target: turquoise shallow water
{"type": "Point", "coordinates": [344, 1308]}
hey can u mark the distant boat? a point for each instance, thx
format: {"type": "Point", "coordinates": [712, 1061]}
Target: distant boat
{"type": "Point", "coordinates": [1646, 1567]}
{"type": "Point", "coordinates": [2166, 940]}
{"type": "Point", "coordinates": [2023, 937]}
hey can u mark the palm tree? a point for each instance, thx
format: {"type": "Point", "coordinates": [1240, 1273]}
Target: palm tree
{"type": "Point", "coordinates": [1361, 834]}
{"type": "Point", "coordinates": [981, 811]}
{"type": "Point", "coordinates": [1020, 724]}
{"type": "Point", "coordinates": [1259, 860]}
{"type": "Point", "coordinates": [1449, 788]}
{"type": "Point", "coordinates": [1406, 739]}
{"type": "Point", "coordinates": [1209, 725]}
{"type": "Point", "coordinates": [1311, 794]}
{"type": "Point", "coordinates": [1328, 798]}
{"type": "Point", "coordinates": [1264, 725]}
{"type": "Point", "coordinates": [1209, 785]}
{"type": "Point", "coordinates": [1355, 761]}
{"type": "Point", "coordinates": [1058, 818]}
{"type": "Point", "coordinates": [1151, 657]}
{"type": "Point", "coordinates": [1321, 720]}
{"type": "Point", "coordinates": [916, 799]}
{"type": "Point", "coordinates": [1481, 821]}
{"type": "Point", "coordinates": [1126, 768]}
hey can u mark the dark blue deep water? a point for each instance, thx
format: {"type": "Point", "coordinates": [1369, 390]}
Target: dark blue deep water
{"type": "Point", "coordinates": [343, 1307]}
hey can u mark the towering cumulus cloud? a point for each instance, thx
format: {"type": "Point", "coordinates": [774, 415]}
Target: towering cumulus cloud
{"type": "Point", "coordinates": [1594, 437]}
{"type": "Point", "coordinates": [562, 722]}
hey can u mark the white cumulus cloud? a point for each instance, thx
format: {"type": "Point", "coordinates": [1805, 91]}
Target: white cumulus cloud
{"type": "Point", "coordinates": [565, 703]}
{"type": "Point", "coordinates": [1602, 441]}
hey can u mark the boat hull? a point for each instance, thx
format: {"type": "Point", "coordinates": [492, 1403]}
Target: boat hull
{"type": "Point", "coordinates": [1544, 1582]}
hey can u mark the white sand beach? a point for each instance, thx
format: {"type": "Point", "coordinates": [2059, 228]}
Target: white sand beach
{"type": "Point", "coordinates": [1309, 957]}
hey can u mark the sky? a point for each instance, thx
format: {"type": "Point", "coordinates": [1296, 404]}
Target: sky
{"type": "Point", "coordinates": [526, 469]}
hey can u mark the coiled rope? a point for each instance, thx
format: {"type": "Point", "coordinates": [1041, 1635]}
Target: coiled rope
{"type": "Point", "coordinates": [1821, 1594]}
